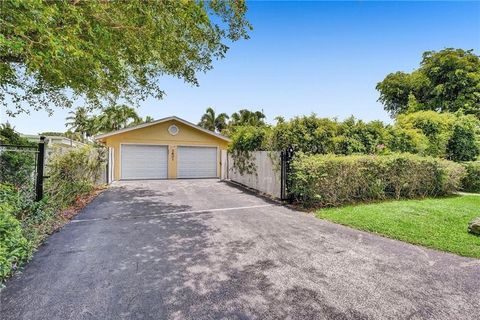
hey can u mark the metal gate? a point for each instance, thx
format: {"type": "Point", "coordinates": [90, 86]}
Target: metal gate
{"type": "Point", "coordinates": [285, 157]}
{"type": "Point", "coordinates": [23, 166]}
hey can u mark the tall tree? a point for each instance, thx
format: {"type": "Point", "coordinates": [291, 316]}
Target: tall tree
{"type": "Point", "coordinates": [52, 52]}
{"type": "Point", "coordinates": [212, 122]}
{"type": "Point", "coordinates": [246, 117]}
{"type": "Point", "coordinates": [80, 121]}
{"type": "Point", "coordinates": [446, 81]}
{"type": "Point", "coordinates": [148, 119]}
{"type": "Point", "coordinates": [116, 118]}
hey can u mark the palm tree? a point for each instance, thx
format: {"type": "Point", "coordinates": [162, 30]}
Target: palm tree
{"type": "Point", "coordinates": [116, 118]}
{"type": "Point", "coordinates": [246, 117]}
{"type": "Point", "coordinates": [80, 121]}
{"type": "Point", "coordinates": [212, 122]}
{"type": "Point", "coordinates": [148, 119]}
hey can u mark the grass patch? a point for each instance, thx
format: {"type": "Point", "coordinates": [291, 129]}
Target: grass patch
{"type": "Point", "coordinates": [439, 223]}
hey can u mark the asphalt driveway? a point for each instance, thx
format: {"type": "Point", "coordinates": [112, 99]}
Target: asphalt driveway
{"type": "Point", "coordinates": [202, 249]}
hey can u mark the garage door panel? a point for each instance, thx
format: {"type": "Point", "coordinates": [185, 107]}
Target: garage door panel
{"type": "Point", "coordinates": [197, 162]}
{"type": "Point", "coordinates": [144, 161]}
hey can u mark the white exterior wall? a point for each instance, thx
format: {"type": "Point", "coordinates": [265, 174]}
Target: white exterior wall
{"type": "Point", "coordinates": [267, 177]}
{"type": "Point", "coordinates": [224, 165]}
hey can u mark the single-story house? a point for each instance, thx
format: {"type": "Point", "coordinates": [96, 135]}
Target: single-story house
{"type": "Point", "coordinates": [168, 148]}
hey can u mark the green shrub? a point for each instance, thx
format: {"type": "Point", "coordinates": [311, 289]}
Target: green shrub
{"type": "Point", "coordinates": [463, 144]}
{"type": "Point", "coordinates": [407, 140]}
{"type": "Point", "coordinates": [435, 126]}
{"type": "Point", "coordinates": [471, 181]}
{"type": "Point", "coordinates": [24, 223]}
{"type": "Point", "coordinates": [329, 180]}
{"type": "Point", "coordinates": [72, 174]}
{"type": "Point", "coordinates": [10, 195]}
{"type": "Point", "coordinates": [308, 134]}
{"type": "Point", "coordinates": [16, 167]}
{"type": "Point", "coordinates": [450, 135]}
{"type": "Point", "coordinates": [244, 140]}
{"type": "Point", "coordinates": [14, 247]}
{"type": "Point", "coordinates": [347, 145]}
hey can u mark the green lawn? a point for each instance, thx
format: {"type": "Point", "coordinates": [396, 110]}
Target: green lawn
{"type": "Point", "coordinates": [436, 223]}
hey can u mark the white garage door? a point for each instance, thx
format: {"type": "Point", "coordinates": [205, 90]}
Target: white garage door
{"type": "Point", "coordinates": [197, 162]}
{"type": "Point", "coordinates": [144, 161]}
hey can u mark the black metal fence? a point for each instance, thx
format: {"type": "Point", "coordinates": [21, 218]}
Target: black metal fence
{"type": "Point", "coordinates": [286, 157]}
{"type": "Point", "coordinates": [23, 166]}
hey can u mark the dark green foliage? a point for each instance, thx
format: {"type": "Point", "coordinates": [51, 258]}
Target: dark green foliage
{"type": "Point", "coordinates": [17, 167]}
{"type": "Point", "coordinates": [309, 134]}
{"type": "Point", "coordinates": [361, 137]}
{"type": "Point", "coordinates": [52, 52]}
{"type": "Point", "coordinates": [24, 224]}
{"type": "Point", "coordinates": [471, 181]}
{"type": "Point", "coordinates": [212, 121]}
{"type": "Point", "coordinates": [244, 140]}
{"type": "Point", "coordinates": [463, 144]}
{"type": "Point", "coordinates": [28, 223]}
{"type": "Point", "coordinates": [14, 247]}
{"type": "Point", "coordinates": [442, 135]}
{"type": "Point", "coordinates": [113, 118]}
{"type": "Point", "coordinates": [436, 127]}
{"type": "Point", "coordinates": [451, 136]}
{"type": "Point", "coordinates": [329, 180]}
{"type": "Point", "coordinates": [406, 140]}
{"type": "Point", "coordinates": [446, 81]}
{"type": "Point", "coordinates": [246, 117]}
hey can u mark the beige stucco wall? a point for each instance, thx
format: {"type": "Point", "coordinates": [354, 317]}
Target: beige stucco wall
{"type": "Point", "coordinates": [158, 134]}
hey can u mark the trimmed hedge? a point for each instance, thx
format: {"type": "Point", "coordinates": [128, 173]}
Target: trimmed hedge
{"type": "Point", "coordinates": [471, 181]}
{"type": "Point", "coordinates": [330, 180]}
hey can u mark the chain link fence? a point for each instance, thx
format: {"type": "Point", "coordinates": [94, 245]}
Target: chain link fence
{"type": "Point", "coordinates": [22, 166]}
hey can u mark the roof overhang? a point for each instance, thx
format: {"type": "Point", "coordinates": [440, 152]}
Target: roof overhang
{"type": "Point", "coordinates": [101, 137]}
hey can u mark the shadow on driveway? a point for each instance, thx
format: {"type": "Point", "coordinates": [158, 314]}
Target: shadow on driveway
{"type": "Point", "coordinates": [153, 250]}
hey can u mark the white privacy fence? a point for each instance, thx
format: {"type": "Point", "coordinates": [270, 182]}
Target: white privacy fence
{"type": "Point", "coordinates": [265, 177]}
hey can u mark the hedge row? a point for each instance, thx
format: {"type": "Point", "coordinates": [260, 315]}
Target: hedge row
{"type": "Point", "coordinates": [330, 180]}
{"type": "Point", "coordinates": [471, 181]}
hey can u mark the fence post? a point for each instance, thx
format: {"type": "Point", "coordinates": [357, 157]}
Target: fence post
{"type": "Point", "coordinates": [282, 176]}
{"type": "Point", "coordinates": [285, 158]}
{"type": "Point", "coordinates": [40, 165]}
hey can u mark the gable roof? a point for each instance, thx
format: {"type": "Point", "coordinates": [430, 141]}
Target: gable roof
{"type": "Point", "coordinates": [152, 123]}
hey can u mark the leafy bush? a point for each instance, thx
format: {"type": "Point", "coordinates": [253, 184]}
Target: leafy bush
{"type": "Point", "coordinates": [244, 140]}
{"type": "Point", "coordinates": [14, 247]}
{"type": "Point", "coordinates": [308, 134]}
{"type": "Point", "coordinates": [407, 140]}
{"type": "Point", "coordinates": [435, 126]}
{"type": "Point", "coordinates": [16, 167]}
{"type": "Point", "coordinates": [10, 196]}
{"type": "Point", "coordinates": [442, 135]}
{"type": "Point", "coordinates": [72, 174]}
{"type": "Point", "coordinates": [360, 137]}
{"type": "Point", "coordinates": [463, 144]}
{"type": "Point", "coordinates": [471, 181]}
{"type": "Point", "coordinates": [451, 136]}
{"type": "Point", "coordinates": [329, 180]}
{"type": "Point", "coordinates": [24, 223]}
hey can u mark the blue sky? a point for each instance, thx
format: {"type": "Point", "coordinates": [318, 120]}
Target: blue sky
{"type": "Point", "coordinates": [304, 57]}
